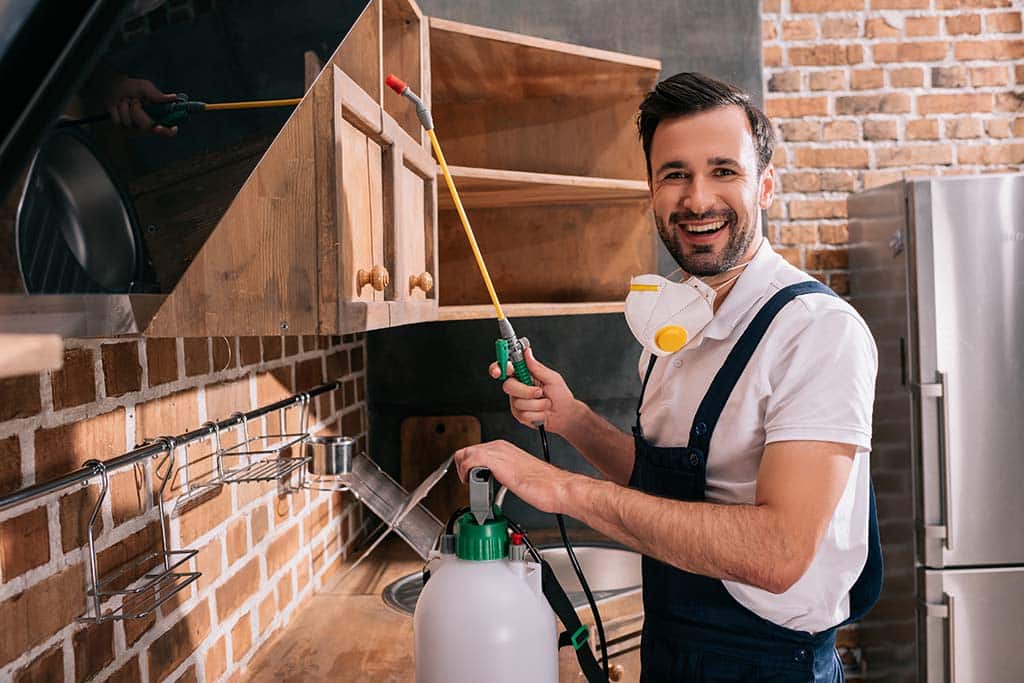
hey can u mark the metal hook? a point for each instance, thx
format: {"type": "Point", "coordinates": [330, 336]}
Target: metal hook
{"type": "Point", "coordinates": [99, 469]}
{"type": "Point", "coordinates": [215, 427]}
{"type": "Point", "coordinates": [244, 419]}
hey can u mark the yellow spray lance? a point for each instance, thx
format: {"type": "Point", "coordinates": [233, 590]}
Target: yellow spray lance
{"type": "Point", "coordinates": [508, 346]}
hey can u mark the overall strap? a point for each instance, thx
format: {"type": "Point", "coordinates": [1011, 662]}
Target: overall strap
{"type": "Point", "coordinates": [714, 400]}
{"type": "Point", "coordinates": [637, 429]}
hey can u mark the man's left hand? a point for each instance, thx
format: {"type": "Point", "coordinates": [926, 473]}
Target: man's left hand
{"type": "Point", "coordinates": [537, 483]}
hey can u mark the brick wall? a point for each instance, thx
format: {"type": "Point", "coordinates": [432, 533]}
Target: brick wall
{"type": "Point", "coordinates": [261, 552]}
{"type": "Point", "coordinates": [865, 92]}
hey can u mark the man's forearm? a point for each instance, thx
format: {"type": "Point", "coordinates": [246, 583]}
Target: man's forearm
{"type": "Point", "coordinates": [743, 543]}
{"type": "Point", "coordinates": [606, 447]}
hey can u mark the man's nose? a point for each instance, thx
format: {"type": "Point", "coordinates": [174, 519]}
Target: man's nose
{"type": "Point", "coordinates": [698, 197]}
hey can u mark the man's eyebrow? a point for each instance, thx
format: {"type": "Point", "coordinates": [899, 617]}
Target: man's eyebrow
{"type": "Point", "coordinates": [722, 161]}
{"type": "Point", "coordinates": [672, 164]}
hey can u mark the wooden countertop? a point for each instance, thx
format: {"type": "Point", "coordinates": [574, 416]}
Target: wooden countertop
{"type": "Point", "coordinates": [347, 633]}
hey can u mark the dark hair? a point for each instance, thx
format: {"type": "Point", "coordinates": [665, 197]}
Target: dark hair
{"type": "Point", "coordinates": [689, 93]}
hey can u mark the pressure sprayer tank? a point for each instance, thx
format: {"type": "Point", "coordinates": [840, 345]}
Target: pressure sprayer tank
{"type": "Point", "coordinates": [482, 617]}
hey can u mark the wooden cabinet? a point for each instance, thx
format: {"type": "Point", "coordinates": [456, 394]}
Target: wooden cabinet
{"type": "Point", "coordinates": [343, 227]}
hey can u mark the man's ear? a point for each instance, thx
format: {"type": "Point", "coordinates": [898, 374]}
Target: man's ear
{"type": "Point", "coordinates": [766, 189]}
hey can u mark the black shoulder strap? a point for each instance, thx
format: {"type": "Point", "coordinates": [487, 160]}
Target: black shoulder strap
{"type": "Point", "coordinates": [575, 633]}
{"type": "Point", "coordinates": [714, 400]}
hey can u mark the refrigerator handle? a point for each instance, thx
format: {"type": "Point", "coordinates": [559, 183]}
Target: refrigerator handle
{"type": "Point", "coordinates": [940, 390]}
{"type": "Point", "coordinates": [944, 610]}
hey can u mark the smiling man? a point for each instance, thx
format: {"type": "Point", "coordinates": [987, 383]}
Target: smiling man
{"type": "Point", "coordinates": [745, 483]}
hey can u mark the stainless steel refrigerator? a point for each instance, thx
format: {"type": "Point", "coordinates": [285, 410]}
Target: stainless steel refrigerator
{"type": "Point", "coordinates": [937, 270]}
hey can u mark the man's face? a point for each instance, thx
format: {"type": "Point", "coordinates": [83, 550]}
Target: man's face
{"type": "Point", "coordinates": [706, 191]}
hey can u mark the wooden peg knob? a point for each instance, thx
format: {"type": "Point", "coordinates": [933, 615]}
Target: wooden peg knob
{"type": "Point", "coordinates": [424, 281]}
{"type": "Point", "coordinates": [377, 277]}
{"type": "Point", "coordinates": [615, 672]}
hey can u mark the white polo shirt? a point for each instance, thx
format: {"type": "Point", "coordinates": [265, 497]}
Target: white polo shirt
{"type": "Point", "coordinates": [812, 378]}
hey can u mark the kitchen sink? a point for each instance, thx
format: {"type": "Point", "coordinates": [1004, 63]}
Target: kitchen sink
{"type": "Point", "coordinates": [611, 571]}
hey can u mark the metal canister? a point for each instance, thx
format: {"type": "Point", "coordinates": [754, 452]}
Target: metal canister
{"type": "Point", "coordinates": [330, 455]}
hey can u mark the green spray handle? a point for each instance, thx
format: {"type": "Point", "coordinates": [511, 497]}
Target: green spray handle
{"type": "Point", "coordinates": [511, 347]}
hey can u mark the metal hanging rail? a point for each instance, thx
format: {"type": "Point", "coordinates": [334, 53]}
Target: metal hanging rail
{"type": "Point", "coordinates": [155, 448]}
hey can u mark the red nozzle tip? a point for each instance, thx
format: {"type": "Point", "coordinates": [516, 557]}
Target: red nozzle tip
{"type": "Point", "coordinates": [395, 83]}
{"type": "Point", "coordinates": [517, 538]}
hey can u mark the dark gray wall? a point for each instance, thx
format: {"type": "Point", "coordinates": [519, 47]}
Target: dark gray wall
{"type": "Point", "coordinates": [440, 368]}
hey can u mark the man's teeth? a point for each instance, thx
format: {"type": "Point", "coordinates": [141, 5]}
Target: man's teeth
{"type": "Point", "coordinates": [706, 227]}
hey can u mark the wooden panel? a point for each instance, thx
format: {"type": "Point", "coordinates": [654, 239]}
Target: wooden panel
{"type": "Point", "coordinates": [413, 259]}
{"type": "Point", "coordinates": [426, 443]}
{"type": "Point", "coordinates": [402, 28]}
{"type": "Point", "coordinates": [328, 240]}
{"type": "Point", "coordinates": [486, 311]}
{"type": "Point", "coordinates": [359, 53]}
{"type": "Point", "coordinates": [256, 274]}
{"type": "Point", "coordinates": [362, 217]}
{"type": "Point", "coordinates": [547, 254]}
{"type": "Point", "coordinates": [489, 188]}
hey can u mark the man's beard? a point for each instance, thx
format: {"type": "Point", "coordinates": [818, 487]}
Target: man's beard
{"type": "Point", "coordinates": [703, 261]}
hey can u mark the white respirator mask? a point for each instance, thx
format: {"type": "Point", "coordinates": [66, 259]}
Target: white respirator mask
{"type": "Point", "coordinates": [664, 315]}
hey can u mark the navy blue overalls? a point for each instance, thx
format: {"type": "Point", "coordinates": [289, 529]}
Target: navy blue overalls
{"type": "Point", "coordinates": [693, 629]}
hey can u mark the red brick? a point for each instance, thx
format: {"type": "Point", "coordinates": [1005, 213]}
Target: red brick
{"type": "Point", "coordinates": [309, 342]}
{"type": "Point", "coordinates": [161, 360]}
{"type": "Point", "coordinates": [34, 615]}
{"type": "Point", "coordinates": [134, 629]}
{"type": "Point", "coordinates": [240, 586]}
{"type": "Point", "coordinates": [867, 79]}
{"type": "Point", "coordinates": [249, 350]}
{"type": "Point", "coordinates": [923, 129]}
{"type": "Point", "coordinates": [817, 208]}
{"type": "Point", "coordinates": [209, 514]}
{"type": "Point", "coordinates": [128, 494]}
{"type": "Point", "coordinates": [1010, 102]}
{"type": "Point", "coordinates": [75, 383]}
{"type": "Point", "coordinates": [834, 233]}
{"type": "Point", "coordinates": [268, 610]}
{"type": "Point", "coordinates": [910, 77]}
{"type": "Point", "coordinates": [208, 563]}
{"type": "Point", "coordinates": [352, 422]}
{"type": "Point", "coordinates": [60, 450]}
{"type": "Point", "coordinates": [880, 27]}
{"type": "Point", "coordinates": [827, 80]}
{"type": "Point", "coordinates": [900, 4]}
{"type": "Point", "coordinates": [10, 464]}
{"type": "Point", "coordinates": [785, 81]}
{"type": "Point", "coordinates": [878, 178]}
{"type": "Point", "coordinates": [839, 181]}
{"type": "Point", "coordinates": [914, 155]}
{"type": "Point", "coordinates": [998, 128]}
{"type": "Point", "coordinates": [999, 50]}
{"type": "Point", "coordinates": [911, 52]}
{"type": "Point", "coordinates": [1003, 22]}
{"type": "Point", "coordinates": [949, 77]}
{"type": "Point", "coordinates": [224, 356]}
{"type": "Point", "coordinates": [129, 673]}
{"type": "Point", "coordinates": [841, 129]}
{"type": "Point", "coordinates": [771, 6]}
{"type": "Point", "coordinates": [961, 24]}
{"type": "Point", "coordinates": [260, 521]}
{"type": "Point", "coordinates": [768, 31]}
{"type": "Point", "coordinates": [840, 283]}
{"type": "Point", "coordinates": [840, 28]}
{"type": "Point", "coordinates": [880, 129]}
{"type": "Point", "coordinates": [197, 356]}
{"type": "Point", "coordinates": [216, 660]}
{"type": "Point", "coordinates": [338, 365]}
{"type": "Point", "coordinates": [226, 398]}
{"type": "Point", "coordinates": [983, 76]}
{"type": "Point", "coordinates": [122, 372]}
{"type": "Point", "coordinates": [47, 667]}
{"type": "Point", "coordinates": [129, 551]}
{"type": "Point", "coordinates": [917, 27]}
{"type": "Point", "coordinates": [284, 591]}
{"type": "Point", "coordinates": [241, 638]}
{"type": "Point", "coordinates": [797, 181]}
{"type": "Point", "coordinates": [798, 233]}
{"type": "Point", "coordinates": [772, 55]}
{"type": "Point", "coordinates": [271, 348]}
{"type": "Point", "coordinates": [964, 127]}
{"type": "Point", "coordinates": [993, 154]}
{"type": "Point", "coordinates": [291, 346]}
{"type": "Point", "coordinates": [24, 543]}
{"type": "Point", "coordinates": [825, 5]}
{"type": "Point", "coordinates": [94, 650]}
{"type": "Point", "coordinates": [971, 4]}
{"type": "Point", "coordinates": [893, 103]}
{"type": "Point", "coordinates": [826, 54]}
{"type": "Point", "coordinates": [826, 259]}
{"type": "Point", "coordinates": [178, 642]}
{"type": "Point", "coordinates": [274, 385]}
{"type": "Point", "coordinates": [954, 104]}
{"type": "Point", "coordinates": [308, 374]}
{"type": "Point", "coordinates": [830, 158]}
{"type": "Point", "coordinates": [237, 540]}
{"type": "Point", "coordinates": [167, 416]}
{"type": "Point", "coordinates": [282, 549]}
{"type": "Point", "coordinates": [189, 676]}
{"type": "Point", "coordinates": [799, 29]}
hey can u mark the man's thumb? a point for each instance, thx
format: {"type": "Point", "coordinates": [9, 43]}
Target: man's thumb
{"type": "Point", "coordinates": [542, 372]}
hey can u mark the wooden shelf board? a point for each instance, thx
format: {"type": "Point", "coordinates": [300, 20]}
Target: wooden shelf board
{"type": "Point", "coordinates": [528, 310]}
{"type": "Point", "coordinates": [471, 63]}
{"type": "Point", "coordinates": [28, 354]}
{"type": "Point", "coordinates": [492, 188]}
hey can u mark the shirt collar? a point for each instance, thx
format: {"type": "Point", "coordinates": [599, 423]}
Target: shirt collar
{"type": "Point", "coordinates": [750, 288]}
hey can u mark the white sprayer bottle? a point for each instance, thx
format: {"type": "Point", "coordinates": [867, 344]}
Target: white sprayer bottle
{"type": "Point", "coordinates": [482, 616]}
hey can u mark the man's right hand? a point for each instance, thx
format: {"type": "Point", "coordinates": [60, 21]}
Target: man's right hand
{"type": "Point", "coordinates": [549, 402]}
{"type": "Point", "coordinates": [124, 98]}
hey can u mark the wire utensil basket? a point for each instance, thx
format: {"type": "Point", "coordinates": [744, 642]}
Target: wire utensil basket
{"type": "Point", "coordinates": [146, 582]}
{"type": "Point", "coordinates": [244, 464]}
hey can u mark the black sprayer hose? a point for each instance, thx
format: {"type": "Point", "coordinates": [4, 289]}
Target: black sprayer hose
{"type": "Point", "coordinates": [576, 565]}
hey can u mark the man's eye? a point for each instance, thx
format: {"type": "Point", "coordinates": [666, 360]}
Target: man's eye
{"type": "Point", "coordinates": [724, 172]}
{"type": "Point", "coordinates": [674, 175]}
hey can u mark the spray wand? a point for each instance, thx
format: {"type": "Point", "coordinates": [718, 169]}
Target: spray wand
{"type": "Point", "coordinates": [509, 346]}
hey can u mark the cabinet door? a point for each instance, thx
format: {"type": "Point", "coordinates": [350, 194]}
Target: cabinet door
{"type": "Point", "coordinates": [365, 271]}
{"type": "Point", "coordinates": [410, 188]}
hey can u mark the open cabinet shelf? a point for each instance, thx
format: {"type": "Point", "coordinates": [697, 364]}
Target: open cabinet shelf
{"type": "Point", "coordinates": [490, 188]}
{"type": "Point", "coordinates": [528, 310]}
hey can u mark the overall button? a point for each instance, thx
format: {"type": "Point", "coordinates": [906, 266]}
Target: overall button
{"type": "Point", "coordinates": [700, 429]}
{"type": "Point", "coordinates": [678, 363]}
{"type": "Point", "coordinates": [695, 458]}
{"type": "Point", "coordinates": [802, 655]}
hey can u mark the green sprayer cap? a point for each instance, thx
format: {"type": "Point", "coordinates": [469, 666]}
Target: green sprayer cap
{"type": "Point", "coordinates": [482, 542]}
